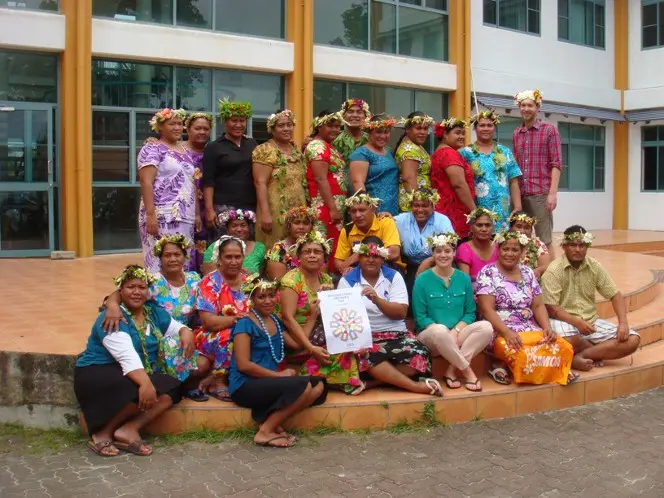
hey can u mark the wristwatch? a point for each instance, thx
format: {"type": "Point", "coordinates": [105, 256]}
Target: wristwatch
{"type": "Point", "coordinates": [458, 331]}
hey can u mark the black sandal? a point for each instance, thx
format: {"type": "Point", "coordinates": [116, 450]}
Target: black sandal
{"type": "Point", "coordinates": [196, 395]}
{"type": "Point", "coordinates": [449, 380]}
{"type": "Point", "coordinates": [476, 384]}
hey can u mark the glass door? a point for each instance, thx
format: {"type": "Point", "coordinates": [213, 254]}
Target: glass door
{"type": "Point", "coordinates": [26, 180]}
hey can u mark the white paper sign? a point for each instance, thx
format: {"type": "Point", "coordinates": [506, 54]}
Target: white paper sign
{"type": "Point", "coordinates": [345, 320]}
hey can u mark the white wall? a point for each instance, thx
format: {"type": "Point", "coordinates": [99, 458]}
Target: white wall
{"type": "Point", "coordinates": [645, 208]}
{"type": "Point", "coordinates": [646, 67]}
{"type": "Point", "coordinates": [27, 30]}
{"type": "Point", "coordinates": [505, 61]}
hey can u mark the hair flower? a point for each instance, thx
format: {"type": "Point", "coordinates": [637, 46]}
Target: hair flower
{"type": "Point", "coordinates": [480, 211]}
{"type": "Point", "coordinates": [229, 215]}
{"type": "Point", "coordinates": [224, 238]}
{"type": "Point", "coordinates": [362, 198]}
{"type": "Point", "coordinates": [502, 237]}
{"type": "Point", "coordinates": [523, 218]}
{"type": "Point", "coordinates": [417, 120]}
{"type": "Point", "coordinates": [371, 250]}
{"type": "Point", "coordinates": [576, 237]}
{"type": "Point", "coordinates": [534, 95]}
{"type": "Point", "coordinates": [328, 118]}
{"type": "Point", "coordinates": [423, 194]}
{"type": "Point", "coordinates": [274, 118]}
{"type": "Point", "coordinates": [197, 115]}
{"type": "Point", "coordinates": [375, 124]}
{"type": "Point", "coordinates": [443, 239]}
{"type": "Point", "coordinates": [164, 115]}
{"type": "Point", "coordinates": [447, 125]}
{"type": "Point", "coordinates": [134, 272]}
{"type": "Point", "coordinates": [313, 237]}
{"type": "Point", "coordinates": [177, 239]}
{"type": "Point", "coordinates": [255, 282]}
{"type": "Point", "coordinates": [485, 114]}
{"type": "Point", "coordinates": [228, 109]}
{"type": "Point", "coordinates": [356, 102]}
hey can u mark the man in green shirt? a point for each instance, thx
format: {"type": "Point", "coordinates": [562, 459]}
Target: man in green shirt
{"type": "Point", "coordinates": [355, 113]}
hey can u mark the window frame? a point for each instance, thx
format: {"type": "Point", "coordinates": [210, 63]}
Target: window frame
{"type": "Point", "coordinates": [595, 3]}
{"type": "Point", "coordinates": [659, 27]}
{"type": "Point", "coordinates": [514, 30]}
{"type": "Point", "coordinates": [656, 144]}
{"type": "Point", "coordinates": [565, 159]}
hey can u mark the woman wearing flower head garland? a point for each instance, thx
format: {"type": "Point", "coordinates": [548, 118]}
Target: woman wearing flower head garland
{"type": "Point", "coordinates": [238, 223]}
{"type": "Point", "coordinates": [444, 310]}
{"type": "Point", "coordinates": [480, 250]}
{"type": "Point", "coordinates": [300, 313]}
{"type": "Point", "coordinates": [115, 381]}
{"type": "Point", "coordinates": [298, 222]}
{"type": "Point", "coordinates": [496, 172]}
{"type": "Point", "coordinates": [220, 303]}
{"type": "Point", "coordinates": [510, 299]}
{"type": "Point", "coordinates": [279, 170]}
{"type": "Point", "coordinates": [372, 166]}
{"type": "Point", "coordinates": [227, 167]}
{"type": "Point", "coordinates": [354, 112]}
{"type": "Point", "coordinates": [451, 176]}
{"type": "Point", "coordinates": [396, 356]}
{"type": "Point", "coordinates": [198, 126]}
{"type": "Point", "coordinates": [413, 160]}
{"type": "Point", "coordinates": [168, 195]}
{"type": "Point", "coordinates": [326, 176]}
{"type": "Point", "coordinates": [259, 347]}
{"type": "Point", "coordinates": [536, 254]}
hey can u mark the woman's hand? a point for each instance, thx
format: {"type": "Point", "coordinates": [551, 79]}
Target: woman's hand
{"type": "Point", "coordinates": [289, 372]}
{"type": "Point", "coordinates": [266, 223]}
{"type": "Point", "coordinates": [549, 335]}
{"type": "Point", "coordinates": [187, 342]}
{"type": "Point", "coordinates": [113, 317]}
{"type": "Point", "coordinates": [370, 294]}
{"type": "Point", "coordinates": [314, 309]}
{"type": "Point", "coordinates": [151, 224]}
{"type": "Point", "coordinates": [198, 224]}
{"type": "Point", "coordinates": [335, 216]}
{"type": "Point", "coordinates": [147, 397]}
{"type": "Point", "coordinates": [321, 355]}
{"type": "Point", "coordinates": [513, 340]}
{"type": "Point", "coordinates": [211, 219]}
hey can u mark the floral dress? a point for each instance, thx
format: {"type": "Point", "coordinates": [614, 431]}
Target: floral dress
{"type": "Point", "coordinates": [449, 203]}
{"type": "Point", "coordinates": [346, 144]}
{"type": "Point", "coordinates": [215, 296]}
{"type": "Point", "coordinates": [279, 253]}
{"type": "Point", "coordinates": [286, 189]}
{"type": "Point", "coordinates": [382, 177]}
{"type": "Point", "coordinates": [407, 150]}
{"type": "Point", "coordinates": [343, 369]}
{"type": "Point", "coordinates": [201, 237]}
{"type": "Point", "coordinates": [179, 302]}
{"type": "Point", "coordinates": [493, 172]}
{"type": "Point", "coordinates": [319, 150]}
{"type": "Point", "coordinates": [174, 198]}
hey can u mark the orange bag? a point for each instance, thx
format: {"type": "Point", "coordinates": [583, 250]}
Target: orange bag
{"type": "Point", "coordinates": [537, 362]}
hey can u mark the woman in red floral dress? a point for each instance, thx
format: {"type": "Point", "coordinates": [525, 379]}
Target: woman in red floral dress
{"type": "Point", "coordinates": [451, 175]}
{"type": "Point", "coordinates": [326, 174]}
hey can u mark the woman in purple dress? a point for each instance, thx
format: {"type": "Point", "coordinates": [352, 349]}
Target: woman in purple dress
{"type": "Point", "coordinates": [168, 194]}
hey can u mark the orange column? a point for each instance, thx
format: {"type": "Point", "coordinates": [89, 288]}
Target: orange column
{"type": "Point", "coordinates": [299, 83]}
{"type": "Point", "coordinates": [459, 51]}
{"type": "Point", "coordinates": [76, 126]}
{"type": "Point", "coordinates": [621, 130]}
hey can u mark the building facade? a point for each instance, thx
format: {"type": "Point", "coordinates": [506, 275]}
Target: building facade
{"type": "Point", "coordinates": [79, 80]}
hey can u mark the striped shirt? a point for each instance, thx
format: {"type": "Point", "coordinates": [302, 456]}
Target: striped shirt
{"type": "Point", "coordinates": [574, 289]}
{"type": "Point", "coordinates": [537, 150]}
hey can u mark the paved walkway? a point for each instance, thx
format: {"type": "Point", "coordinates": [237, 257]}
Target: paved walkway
{"type": "Point", "coordinates": [608, 449]}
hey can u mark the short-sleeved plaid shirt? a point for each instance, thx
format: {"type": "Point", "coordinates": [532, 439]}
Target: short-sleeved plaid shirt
{"type": "Point", "coordinates": [574, 289]}
{"type": "Point", "coordinates": [537, 150]}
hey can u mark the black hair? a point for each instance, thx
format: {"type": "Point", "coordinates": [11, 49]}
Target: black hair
{"type": "Point", "coordinates": [226, 242]}
{"type": "Point", "coordinates": [322, 113]}
{"type": "Point", "coordinates": [403, 135]}
{"type": "Point", "coordinates": [574, 229]}
{"type": "Point", "coordinates": [184, 251]}
{"type": "Point", "coordinates": [372, 239]}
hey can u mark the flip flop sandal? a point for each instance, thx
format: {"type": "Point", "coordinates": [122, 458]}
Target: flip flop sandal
{"type": "Point", "coordinates": [572, 378]}
{"type": "Point", "coordinates": [268, 443]}
{"type": "Point", "coordinates": [98, 448]}
{"type": "Point", "coordinates": [134, 448]}
{"type": "Point", "coordinates": [504, 379]}
{"type": "Point", "coordinates": [221, 395]}
{"type": "Point", "coordinates": [196, 395]}
{"type": "Point", "coordinates": [434, 385]}
{"type": "Point", "coordinates": [450, 380]}
{"type": "Point", "coordinates": [359, 389]}
{"type": "Point", "coordinates": [476, 384]}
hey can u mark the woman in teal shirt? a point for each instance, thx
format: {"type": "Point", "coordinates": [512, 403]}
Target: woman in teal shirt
{"type": "Point", "coordinates": [444, 311]}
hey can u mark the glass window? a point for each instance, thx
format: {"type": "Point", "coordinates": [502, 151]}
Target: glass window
{"type": "Point", "coordinates": [581, 21]}
{"type": "Point", "coordinates": [26, 216]}
{"type": "Point", "coordinates": [194, 88]}
{"type": "Point", "coordinates": [128, 84]}
{"type": "Point", "coordinates": [328, 95]}
{"type": "Point", "coordinates": [194, 13]}
{"type": "Point", "coordinates": [432, 103]}
{"type": "Point", "coordinates": [50, 5]}
{"type": "Point", "coordinates": [505, 130]}
{"type": "Point", "coordinates": [422, 33]}
{"type": "Point", "coordinates": [251, 17]}
{"type": "Point", "coordinates": [154, 11]}
{"type": "Point", "coordinates": [582, 157]}
{"type": "Point", "coordinates": [394, 101]}
{"type": "Point", "coordinates": [652, 173]}
{"type": "Point", "coordinates": [343, 23]}
{"type": "Point", "coordinates": [110, 146]}
{"type": "Point", "coordinates": [115, 218]}
{"type": "Point", "coordinates": [383, 27]}
{"type": "Point", "coordinates": [28, 77]}
{"type": "Point", "coordinates": [264, 91]}
{"type": "Point", "coordinates": [652, 23]}
{"type": "Point", "coordinates": [520, 15]}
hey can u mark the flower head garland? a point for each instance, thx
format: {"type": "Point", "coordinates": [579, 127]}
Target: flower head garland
{"type": "Point", "coordinates": [423, 194]}
{"type": "Point", "coordinates": [228, 109]}
{"type": "Point", "coordinates": [362, 198]}
{"type": "Point", "coordinates": [502, 237]}
{"type": "Point", "coordinates": [443, 239]}
{"type": "Point", "coordinates": [417, 120]}
{"type": "Point", "coordinates": [480, 211]}
{"type": "Point", "coordinates": [177, 239]}
{"type": "Point", "coordinates": [225, 217]}
{"type": "Point", "coordinates": [386, 122]}
{"type": "Point", "coordinates": [371, 250]}
{"type": "Point", "coordinates": [301, 213]}
{"type": "Point", "coordinates": [523, 218]}
{"type": "Point", "coordinates": [133, 272]}
{"type": "Point", "coordinates": [446, 125]}
{"type": "Point", "coordinates": [328, 118]}
{"type": "Point", "coordinates": [313, 237]}
{"type": "Point", "coordinates": [198, 115]}
{"type": "Point", "coordinates": [579, 237]}
{"type": "Point", "coordinates": [255, 282]}
{"type": "Point", "coordinates": [355, 102]}
{"type": "Point", "coordinates": [222, 239]}
{"type": "Point", "coordinates": [165, 115]}
{"type": "Point", "coordinates": [486, 114]}
{"type": "Point", "coordinates": [274, 118]}
{"type": "Point", "coordinates": [534, 95]}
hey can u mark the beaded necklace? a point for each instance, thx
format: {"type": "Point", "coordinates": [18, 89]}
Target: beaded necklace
{"type": "Point", "coordinates": [269, 338]}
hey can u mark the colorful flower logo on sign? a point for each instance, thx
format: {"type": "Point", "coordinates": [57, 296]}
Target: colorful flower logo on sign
{"type": "Point", "coordinates": [346, 325]}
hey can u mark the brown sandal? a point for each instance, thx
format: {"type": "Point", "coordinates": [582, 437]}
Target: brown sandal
{"type": "Point", "coordinates": [134, 448]}
{"type": "Point", "coordinates": [99, 448]}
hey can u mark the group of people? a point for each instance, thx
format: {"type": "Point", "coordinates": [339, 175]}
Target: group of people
{"type": "Point", "coordinates": [240, 239]}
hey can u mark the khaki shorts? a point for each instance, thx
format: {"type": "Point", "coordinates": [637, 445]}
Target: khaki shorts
{"type": "Point", "coordinates": [535, 206]}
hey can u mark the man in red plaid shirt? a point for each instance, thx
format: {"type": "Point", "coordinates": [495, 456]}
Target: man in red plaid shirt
{"type": "Point", "coordinates": [538, 152]}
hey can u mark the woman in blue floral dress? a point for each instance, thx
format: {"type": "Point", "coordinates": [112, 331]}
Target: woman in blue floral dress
{"type": "Point", "coordinates": [496, 172]}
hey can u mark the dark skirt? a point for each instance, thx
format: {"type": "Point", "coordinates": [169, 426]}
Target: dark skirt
{"type": "Point", "coordinates": [399, 348]}
{"type": "Point", "coordinates": [270, 394]}
{"type": "Point", "coordinates": [102, 391]}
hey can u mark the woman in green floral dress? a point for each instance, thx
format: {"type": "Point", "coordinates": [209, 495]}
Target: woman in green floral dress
{"type": "Point", "coordinates": [496, 172]}
{"type": "Point", "coordinates": [411, 157]}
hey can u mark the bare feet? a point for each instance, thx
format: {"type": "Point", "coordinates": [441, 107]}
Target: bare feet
{"type": "Point", "coordinates": [598, 363]}
{"type": "Point", "coordinates": [582, 364]}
